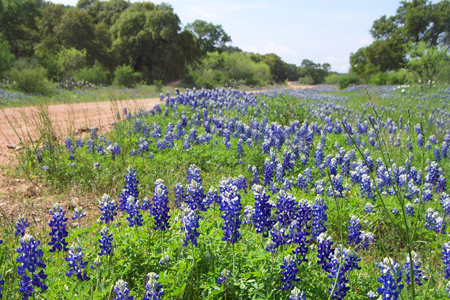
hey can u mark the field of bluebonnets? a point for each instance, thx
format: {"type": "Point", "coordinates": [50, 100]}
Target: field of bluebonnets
{"type": "Point", "coordinates": [226, 194]}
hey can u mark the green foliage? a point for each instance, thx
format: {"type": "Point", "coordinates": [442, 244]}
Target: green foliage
{"type": "Point", "coordinates": [314, 71]}
{"type": "Point", "coordinates": [426, 62]}
{"type": "Point", "coordinates": [332, 79]}
{"type": "Point", "coordinates": [379, 79]}
{"type": "Point", "coordinates": [159, 85]}
{"type": "Point", "coordinates": [6, 57]}
{"type": "Point", "coordinates": [30, 79]}
{"type": "Point", "coordinates": [70, 61]}
{"type": "Point", "coordinates": [125, 76]}
{"type": "Point", "coordinates": [147, 37]}
{"type": "Point", "coordinates": [94, 75]}
{"type": "Point", "coordinates": [209, 37]}
{"type": "Point", "coordinates": [346, 80]}
{"type": "Point", "coordinates": [415, 22]}
{"type": "Point", "coordinates": [229, 69]}
{"type": "Point", "coordinates": [308, 80]}
{"type": "Point", "coordinates": [278, 68]}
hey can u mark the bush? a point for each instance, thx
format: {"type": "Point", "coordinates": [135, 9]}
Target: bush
{"type": "Point", "coordinates": [306, 80]}
{"type": "Point", "coordinates": [379, 79]}
{"type": "Point", "coordinates": [332, 79]}
{"type": "Point", "coordinates": [94, 75]}
{"type": "Point", "coordinates": [6, 57]}
{"type": "Point", "coordinates": [31, 80]}
{"type": "Point", "coordinates": [346, 80]}
{"type": "Point", "coordinates": [125, 76]}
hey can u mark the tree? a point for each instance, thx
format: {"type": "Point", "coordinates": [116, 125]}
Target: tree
{"type": "Point", "coordinates": [106, 12]}
{"type": "Point", "coordinates": [278, 68]}
{"type": "Point", "coordinates": [416, 21]}
{"type": "Point", "coordinates": [209, 37]}
{"type": "Point", "coordinates": [314, 72]}
{"type": "Point", "coordinates": [148, 37]}
{"type": "Point", "coordinates": [426, 62]}
{"type": "Point", "coordinates": [6, 57]}
{"type": "Point", "coordinates": [18, 24]}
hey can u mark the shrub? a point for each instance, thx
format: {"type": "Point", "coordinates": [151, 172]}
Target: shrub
{"type": "Point", "coordinates": [346, 80]}
{"type": "Point", "coordinates": [71, 60]}
{"type": "Point", "coordinates": [306, 80]}
{"type": "Point", "coordinates": [125, 76]}
{"type": "Point", "coordinates": [332, 79]}
{"type": "Point", "coordinates": [94, 75]}
{"type": "Point", "coordinates": [31, 80]}
{"type": "Point", "coordinates": [379, 79]}
{"type": "Point", "coordinates": [6, 57]}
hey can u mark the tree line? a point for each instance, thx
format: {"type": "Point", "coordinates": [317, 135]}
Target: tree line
{"type": "Point", "coordinates": [413, 44]}
{"type": "Point", "coordinates": [108, 41]}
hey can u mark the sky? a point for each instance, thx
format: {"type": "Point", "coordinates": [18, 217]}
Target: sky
{"type": "Point", "coordinates": [324, 31]}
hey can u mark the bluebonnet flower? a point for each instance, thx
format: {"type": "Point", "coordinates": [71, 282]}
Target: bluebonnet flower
{"type": "Point", "coordinates": [133, 152]}
{"type": "Point", "coordinates": [115, 150]}
{"type": "Point", "coordinates": [354, 231]}
{"type": "Point", "coordinates": [427, 192]}
{"type": "Point", "coordinates": [286, 208]}
{"type": "Point", "coordinates": [164, 260]}
{"type": "Point", "coordinates": [395, 211]}
{"type": "Point", "coordinates": [296, 294]}
{"type": "Point", "coordinates": [325, 251]}
{"type": "Point", "coordinates": [224, 275]}
{"type": "Point", "coordinates": [433, 173]}
{"type": "Point", "coordinates": [105, 241]}
{"type": "Point", "coordinates": [108, 208]}
{"type": "Point", "coordinates": [419, 274]}
{"type": "Point", "coordinates": [255, 179]}
{"type": "Point", "coordinates": [318, 155]}
{"type": "Point", "coordinates": [319, 217]}
{"type": "Point", "coordinates": [446, 259]}
{"type": "Point", "coordinates": [441, 184]}
{"type": "Point", "coordinates": [342, 262]}
{"type": "Point", "coordinates": [371, 295]}
{"type": "Point", "coordinates": [241, 183]}
{"type": "Point", "coordinates": [78, 213]}
{"type": "Point", "coordinates": [230, 205]}
{"type": "Point", "coordinates": [437, 154]}
{"type": "Point", "coordinates": [249, 211]}
{"type": "Point", "coordinates": [121, 290]}
{"type": "Point", "coordinates": [39, 154]}
{"type": "Point", "coordinates": [391, 276]}
{"type": "Point", "coordinates": [336, 188]}
{"type": "Point", "coordinates": [179, 194]}
{"type": "Point", "coordinates": [190, 226]}
{"type": "Point", "coordinates": [76, 264]}
{"type": "Point", "coordinates": [319, 187]}
{"type": "Point", "coordinates": [240, 148]}
{"type": "Point", "coordinates": [90, 146]}
{"type": "Point", "coordinates": [195, 195]}
{"type": "Point", "coordinates": [270, 246]}
{"type": "Point", "coordinates": [367, 187]}
{"type": "Point", "coordinates": [302, 183]}
{"type": "Point", "coordinates": [367, 238]}
{"type": "Point", "coordinates": [30, 258]}
{"type": "Point", "coordinates": [369, 207]}
{"type": "Point", "coordinates": [133, 209]}
{"type": "Point", "coordinates": [160, 206]}
{"type": "Point", "coordinates": [130, 188]}
{"type": "Point", "coordinates": [268, 172]}
{"type": "Point", "coordinates": [2, 282]}
{"type": "Point", "coordinates": [434, 221]}
{"type": "Point", "coordinates": [289, 273]}
{"type": "Point", "coordinates": [297, 235]}
{"type": "Point", "coordinates": [59, 232]}
{"type": "Point", "coordinates": [409, 208]}
{"type": "Point", "coordinates": [261, 216]}
{"type": "Point", "coordinates": [445, 203]}
{"type": "Point", "coordinates": [21, 226]}
{"type": "Point", "coordinates": [153, 290]}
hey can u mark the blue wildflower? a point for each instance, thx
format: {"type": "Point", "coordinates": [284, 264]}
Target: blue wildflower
{"type": "Point", "coordinates": [121, 290]}
{"type": "Point", "coordinates": [59, 232]}
{"type": "Point", "coordinates": [160, 206]}
{"type": "Point", "coordinates": [76, 264]}
{"type": "Point", "coordinates": [108, 208]}
{"type": "Point", "coordinates": [21, 226]}
{"type": "Point", "coordinates": [289, 273]}
{"type": "Point", "coordinates": [230, 205]}
{"type": "Point", "coordinates": [30, 259]}
{"type": "Point", "coordinates": [296, 294]}
{"type": "Point", "coordinates": [224, 275]}
{"type": "Point", "coordinates": [325, 251]}
{"type": "Point", "coordinates": [342, 262]}
{"type": "Point", "coordinates": [190, 226]}
{"type": "Point", "coordinates": [391, 276]}
{"type": "Point", "coordinates": [261, 217]}
{"type": "Point", "coordinates": [419, 274]}
{"type": "Point", "coordinates": [78, 213]}
{"type": "Point", "coordinates": [446, 259]}
{"type": "Point", "coordinates": [105, 241]}
{"type": "Point", "coordinates": [130, 188]}
{"type": "Point", "coordinates": [153, 290]}
{"type": "Point", "coordinates": [133, 209]}
{"type": "Point", "coordinates": [354, 231]}
{"type": "Point", "coordinates": [319, 217]}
